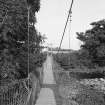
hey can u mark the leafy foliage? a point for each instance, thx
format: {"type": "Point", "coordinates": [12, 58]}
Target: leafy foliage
{"type": "Point", "coordinates": [94, 42]}
{"type": "Point", "coordinates": [14, 37]}
{"type": "Point", "coordinates": [89, 96]}
{"type": "Point", "coordinates": [92, 52]}
{"type": "Point", "coordinates": [73, 60]}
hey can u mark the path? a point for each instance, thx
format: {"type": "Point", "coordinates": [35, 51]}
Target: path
{"type": "Point", "coordinates": [46, 95]}
{"type": "Point", "coordinates": [48, 72]}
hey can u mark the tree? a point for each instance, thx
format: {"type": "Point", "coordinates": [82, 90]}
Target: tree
{"type": "Point", "coordinates": [94, 42]}
{"type": "Point", "coordinates": [14, 35]}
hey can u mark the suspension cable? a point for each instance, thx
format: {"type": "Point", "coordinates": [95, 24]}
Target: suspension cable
{"type": "Point", "coordinates": [69, 30]}
{"type": "Point", "coordinates": [28, 8]}
{"type": "Point", "coordinates": [28, 41]}
{"type": "Point", "coordinates": [70, 11]}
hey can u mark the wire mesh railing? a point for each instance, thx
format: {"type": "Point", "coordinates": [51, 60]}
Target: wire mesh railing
{"type": "Point", "coordinates": [14, 93]}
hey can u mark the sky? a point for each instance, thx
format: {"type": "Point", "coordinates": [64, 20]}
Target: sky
{"type": "Point", "coordinates": [53, 14]}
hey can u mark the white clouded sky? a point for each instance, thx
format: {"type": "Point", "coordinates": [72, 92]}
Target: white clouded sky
{"type": "Point", "coordinates": [53, 14]}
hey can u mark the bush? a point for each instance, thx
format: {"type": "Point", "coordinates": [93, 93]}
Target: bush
{"type": "Point", "coordinates": [90, 97]}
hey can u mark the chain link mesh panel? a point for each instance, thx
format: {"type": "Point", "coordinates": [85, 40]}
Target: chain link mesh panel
{"type": "Point", "coordinates": [14, 93]}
